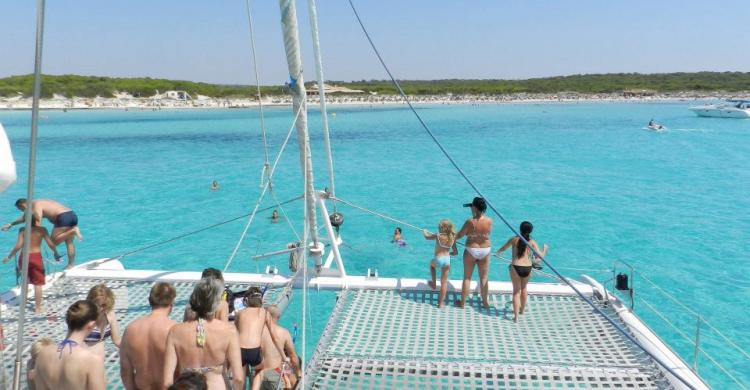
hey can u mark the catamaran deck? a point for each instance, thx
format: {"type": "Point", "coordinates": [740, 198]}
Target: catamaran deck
{"type": "Point", "coordinates": [383, 339]}
{"type": "Point", "coordinates": [131, 301]}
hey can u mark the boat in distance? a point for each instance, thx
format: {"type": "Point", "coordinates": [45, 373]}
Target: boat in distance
{"type": "Point", "coordinates": [730, 109]}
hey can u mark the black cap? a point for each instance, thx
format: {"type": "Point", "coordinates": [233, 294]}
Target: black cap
{"type": "Point", "coordinates": [478, 203]}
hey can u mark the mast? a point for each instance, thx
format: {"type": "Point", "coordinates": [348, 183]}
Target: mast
{"type": "Point", "coordinates": [297, 86]}
{"type": "Point", "coordinates": [313, 14]}
{"type": "Point", "coordinates": [29, 193]}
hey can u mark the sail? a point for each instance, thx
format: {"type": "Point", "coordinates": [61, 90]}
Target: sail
{"type": "Point", "coordinates": [7, 164]}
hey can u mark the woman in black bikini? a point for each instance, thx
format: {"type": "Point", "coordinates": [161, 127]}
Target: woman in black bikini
{"type": "Point", "coordinates": [520, 266]}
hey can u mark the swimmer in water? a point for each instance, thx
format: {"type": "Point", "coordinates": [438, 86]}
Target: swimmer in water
{"type": "Point", "coordinates": [215, 186]}
{"type": "Point", "coordinates": [274, 216]}
{"type": "Point", "coordinates": [397, 238]}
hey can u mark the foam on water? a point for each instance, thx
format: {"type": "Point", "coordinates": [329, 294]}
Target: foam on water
{"type": "Point", "coordinates": [596, 187]}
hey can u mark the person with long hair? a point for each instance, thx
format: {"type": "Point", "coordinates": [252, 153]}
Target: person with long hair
{"type": "Point", "coordinates": [106, 324]}
{"type": "Point", "coordinates": [204, 344]}
{"type": "Point", "coordinates": [477, 230]}
{"type": "Point", "coordinates": [445, 247]}
{"type": "Point", "coordinates": [521, 265]}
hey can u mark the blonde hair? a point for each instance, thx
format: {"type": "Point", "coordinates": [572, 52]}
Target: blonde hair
{"type": "Point", "coordinates": [446, 227]}
{"type": "Point", "coordinates": [37, 346]}
{"type": "Point", "coordinates": [103, 297]}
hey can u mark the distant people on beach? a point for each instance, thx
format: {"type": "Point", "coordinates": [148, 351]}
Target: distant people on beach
{"type": "Point", "coordinates": [445, 247]}
{"type": "Point", "coordinates": [214, 186]}
{"type": "Point", "coordinates": [274, 216]}
{"type": "Point", "coordinates": [64, 219]}
{"type": "Point", "coordinates": [36, 273]}
{"type": "Point", "coordinates": [144, 342]}
{"type": "Point", "coordinates": [280, 367]}
{"type": "Point", "coordinates": [477, 230]}
{"type": "Point", "coordinates": [106, 326]}
{"type": "Point", "coordinates": [521, 265]}
{"type": "Point", "coordinates": [398, 239]}
{"type": "Point", "coordinates": [69, 365]}
{"type": "Point", "coordinates": [204, 344]}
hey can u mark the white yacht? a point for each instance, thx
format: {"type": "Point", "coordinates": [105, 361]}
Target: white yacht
{"type": "Point", "coordinates": [385, 331]}
{"type": "Point", "coordinates": [732, 108]}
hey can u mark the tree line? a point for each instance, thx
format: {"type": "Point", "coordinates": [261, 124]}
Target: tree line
{"type": "Point", "coordinates": [92, 86]}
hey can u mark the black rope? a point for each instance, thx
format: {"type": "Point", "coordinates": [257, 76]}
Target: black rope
{"type": "Point", "coordinates": [175, 238]}
{"type": "Point", "coordinates": [489, 204]}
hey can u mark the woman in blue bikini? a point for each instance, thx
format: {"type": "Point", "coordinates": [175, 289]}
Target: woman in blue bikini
{"type": "Point", "coordinates": [445, 247]}
{"type": "Point", "coordinates": [477, 230]}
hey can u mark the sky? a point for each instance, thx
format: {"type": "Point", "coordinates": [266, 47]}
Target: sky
{"type": "Point", "coordinates": [209, 41]}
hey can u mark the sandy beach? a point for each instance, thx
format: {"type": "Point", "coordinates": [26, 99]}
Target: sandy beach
{"type": "Point", "coordinates": [127, 102]}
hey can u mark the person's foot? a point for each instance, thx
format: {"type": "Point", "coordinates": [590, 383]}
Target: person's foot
{"type": "Point", "coordinates": [458, 303]}
{"type": "Point", "coordinates": [486, 305]}
{"type": "Point", "coordinates": [39, 310]}
{"type": "Point", "coordinates": [78, 234]}
{"type": "Point", "coordinates": [521, 311]}
{"type": "Point", "coordinates": [69, 266]}
{"type": "Point", "coordinates": [432, 285]}
{"type": "Point", "coordinates": [515, 319]}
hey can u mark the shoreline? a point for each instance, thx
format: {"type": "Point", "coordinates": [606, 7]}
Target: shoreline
{"type": "Point", "coordinates": [151, 104]}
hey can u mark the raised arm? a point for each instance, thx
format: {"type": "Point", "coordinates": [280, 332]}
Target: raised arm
{"type": "Point", "coordinates": [505, 246]}
{"type": "Point", "coordinates": [542, 252]}
{"type": "Point", "coordinates": [127, 373]}
{"type": "Point", "coordinates": [115, 328]}
{"type": "Point", "coordinates": [269, 326]}
{"type": "Point", "coordinates": [235, 360]}
{"type": "Point", "coordinates": [16, 248]}
{"type": "Point", "coordinates": [427, 235]}
{"type": "Point", "coordinates": [170, 362]}
{"type": "Point", "coordinates": [464, 230]}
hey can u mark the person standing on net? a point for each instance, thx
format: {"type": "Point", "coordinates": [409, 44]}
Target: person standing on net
{"type": "Point", "coordinates": [477, 230]}
{"type": "Point", "coordinates": [64, 219]}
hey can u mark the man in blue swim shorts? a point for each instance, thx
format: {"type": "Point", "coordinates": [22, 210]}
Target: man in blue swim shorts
{"type": "Point", "coordinates": [65, 223]}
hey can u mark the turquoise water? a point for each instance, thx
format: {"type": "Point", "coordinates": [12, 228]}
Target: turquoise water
{"type": "Point", "coordinates": [597, 187]}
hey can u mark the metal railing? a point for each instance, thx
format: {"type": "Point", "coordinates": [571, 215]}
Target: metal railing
{"type": "Point", "coordinates": [700, 321]}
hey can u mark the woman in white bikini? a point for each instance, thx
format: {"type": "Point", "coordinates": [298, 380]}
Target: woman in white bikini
{"type": "Point", "coordinates": [477, 230]}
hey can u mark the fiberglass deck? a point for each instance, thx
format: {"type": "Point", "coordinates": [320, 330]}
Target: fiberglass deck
{"type": "Point", "coordinates": [400, 339]}
{"type": "Point", "coordinates": [131, 301]}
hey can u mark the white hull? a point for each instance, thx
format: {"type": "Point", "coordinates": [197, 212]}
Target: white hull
{"type": "Point", "coordinates": [721, 112]}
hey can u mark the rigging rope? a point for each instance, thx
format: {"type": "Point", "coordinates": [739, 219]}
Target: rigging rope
{"type": "Point", "coordinates": [266, 165]}
{"type": "Point", "coordinates": [624, 332]}
{"type": "Point", "coordinates": [263, 192]}
{"type": "Point", "coordinates": [183, 235]}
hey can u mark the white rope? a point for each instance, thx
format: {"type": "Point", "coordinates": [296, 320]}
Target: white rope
{"type": "Point", "coordinates": [386, 217]}
{"type": "Point", "coordinates": [313, 14]}
{"type": "Point", "coordinates": [692, 341]}
{"type": "Point", "coordinates": [262, 194]}
{"type": "Point", "coordinates": [695, 314]}
{"type": "Point", "coordinates": [260, 100]}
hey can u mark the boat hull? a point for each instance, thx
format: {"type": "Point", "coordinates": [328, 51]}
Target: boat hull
{"type": "Point", "coordinates": [716, 112]}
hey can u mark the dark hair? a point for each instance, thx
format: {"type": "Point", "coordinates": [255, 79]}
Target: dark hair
{"type": "Point", "coordinates": [254, 297]}
{"type": "Point", "coordinates": [190, 380]}
{"type": "Point", "coordinates": [525, 229]}
{"type": "Point", "coordinates": [20, 201]}
{"type": "Point", "coordinates": [212, 272]}
{"type": "Point", "coordinates": [162, 295]}
{"type": "Point", "coordinates": [206, 297]}
{"type": "Point", "coordinates": [81, 313]}
{"type": "Point", "coordinates": [398, 229]}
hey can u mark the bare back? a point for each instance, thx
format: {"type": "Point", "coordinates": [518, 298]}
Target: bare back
{"type": "Point", "coordinates": [38, 234]}
{"type": "Point", "coordinates": [210, 359]}
{"type": "Point", "coordinates": [271, 357]}
{"type": "Point", "coordinates": [477, 232]}
{"type": "Point", "coordinates": [251, 324]}
{"type": "Point", "coordinates": [49, 209]}
{"type": "Point", "coordinates": [522, 258]}
{"type": "Point", "coordinates": [71, 369]}
{"type": "Point", "coordinates": [144, 345]}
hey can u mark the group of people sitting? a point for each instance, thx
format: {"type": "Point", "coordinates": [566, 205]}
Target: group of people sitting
{"type": "Point", "coordinates": [477, 252]}
{"type": "Point", "coordinates": [205, 351]}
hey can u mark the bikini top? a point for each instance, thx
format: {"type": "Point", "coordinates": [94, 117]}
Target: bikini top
{"type": "Point", "coordinates": [437, 242]}
{"type": "Point", "coordinates": [96, 335]}
{"type": "Point", "coordinates": [474, 234]}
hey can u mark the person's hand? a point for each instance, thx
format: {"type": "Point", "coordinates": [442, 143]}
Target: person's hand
{"type": "Point", "coordinates": [111, 317]}
{"type": "Point", "coordinates": [545, 247]}
{"type": "Point", "coordinates": [7, 227]}
{"type": "Point", "coordinates": [6, 259]}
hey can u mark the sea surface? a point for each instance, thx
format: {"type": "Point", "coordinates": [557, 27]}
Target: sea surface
{"type": "Point", "coordinates": [597, 186]}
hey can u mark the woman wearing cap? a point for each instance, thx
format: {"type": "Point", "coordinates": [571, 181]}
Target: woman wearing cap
{"type": "Point", "coordinates": [477, 230]}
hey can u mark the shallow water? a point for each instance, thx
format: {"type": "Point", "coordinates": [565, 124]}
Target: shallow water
{"type": "Point", "coordinates": [597, 187]}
